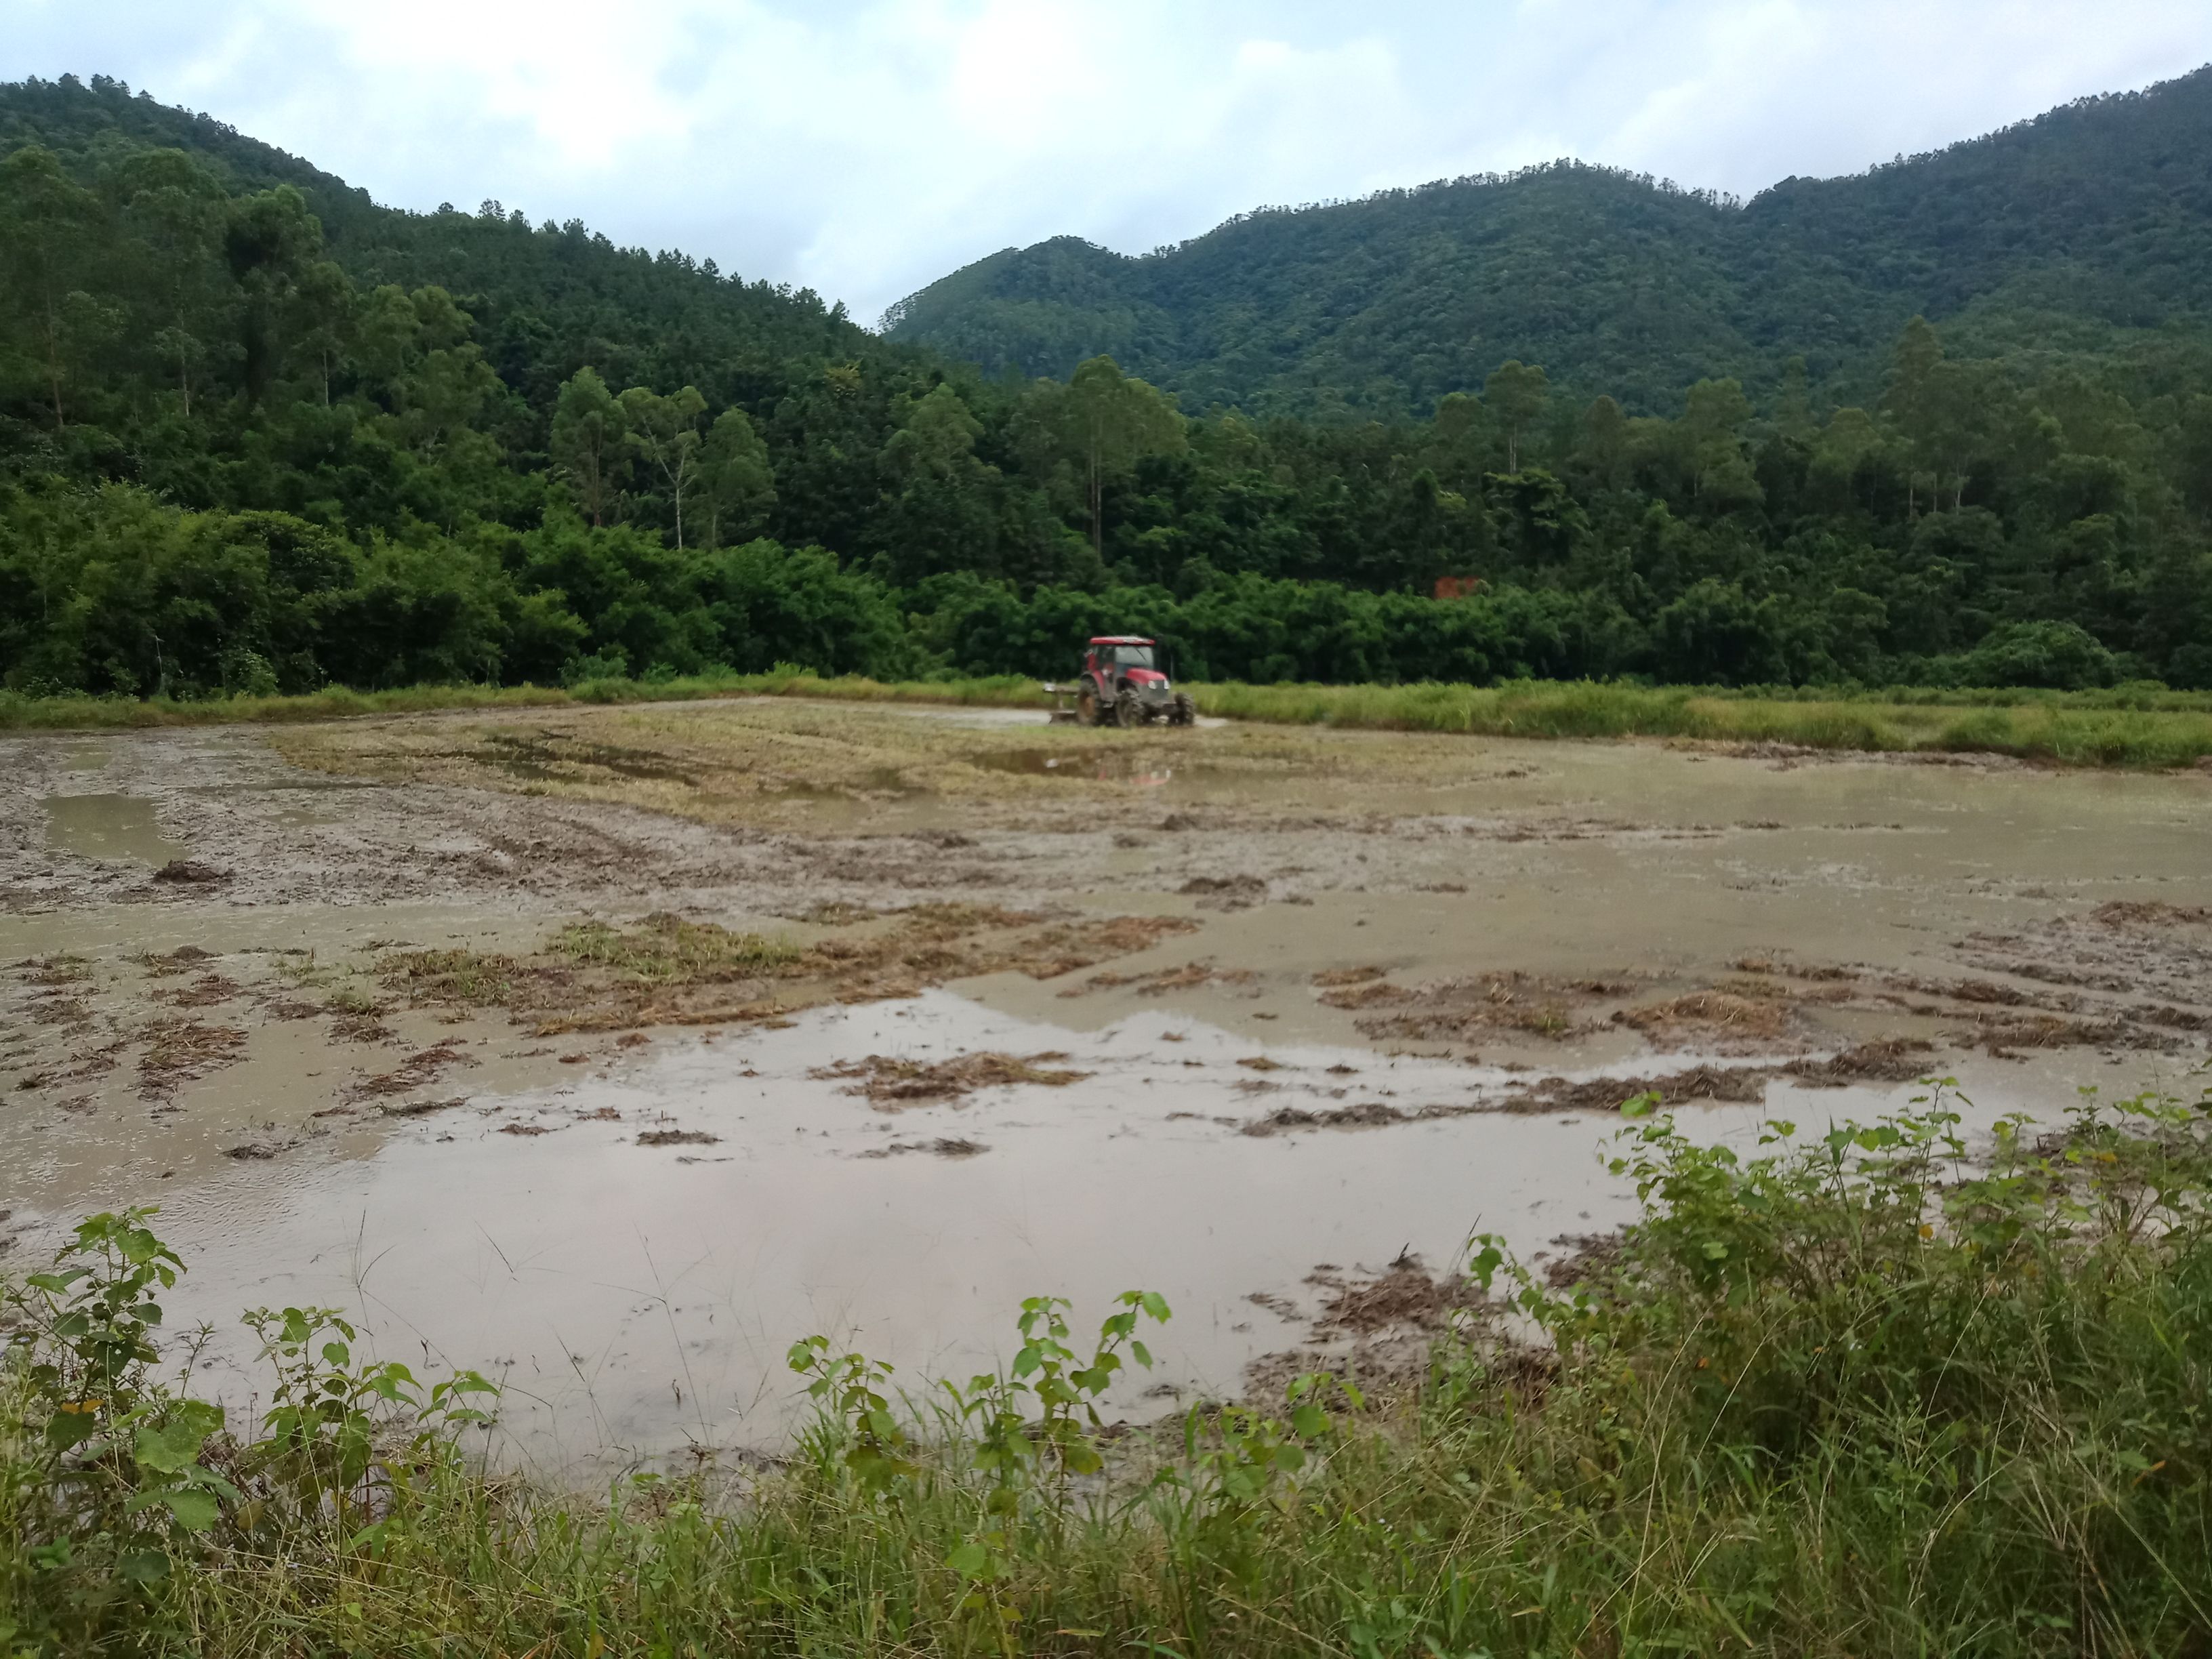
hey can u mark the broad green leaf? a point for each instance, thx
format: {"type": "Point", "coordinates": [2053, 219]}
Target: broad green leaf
{"type": "Point", "coordinates": [170, 1450]}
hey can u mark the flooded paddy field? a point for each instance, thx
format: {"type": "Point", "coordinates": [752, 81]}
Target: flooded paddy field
{"type": "Point", "coordinates": [608, 1051]}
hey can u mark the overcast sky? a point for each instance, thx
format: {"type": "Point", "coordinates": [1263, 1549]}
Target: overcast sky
{"type": "Point", "coordinates": [866, 148]}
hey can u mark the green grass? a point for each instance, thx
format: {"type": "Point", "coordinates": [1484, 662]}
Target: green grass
{"type": "Point", "coordinates": [666, 949]}
{"type": "Point", "coordinates": [2129, 726]}
{"type": "Point", "coordinates": [1852, 1396]}
{"type": "Point", "coordinates": [2080, 729]}
{"type": "Point", "coordinates": [106, 713]}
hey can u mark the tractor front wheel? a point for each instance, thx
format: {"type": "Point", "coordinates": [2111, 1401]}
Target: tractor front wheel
{"type": "Point", "coordinates": [1129, 709]}
{"type": "Point", "coordinates": [1186, 710]}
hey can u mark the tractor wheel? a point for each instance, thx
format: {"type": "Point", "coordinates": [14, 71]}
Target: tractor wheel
{"type": "Point", "coordinates": [1086, 708]}
{"type": "Point", "coordinates": [1129, 709]}
{"type": "Point", "coordinates": [1186, 710]}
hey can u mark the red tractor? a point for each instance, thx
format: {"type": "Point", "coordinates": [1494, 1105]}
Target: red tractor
{"type": "Point", "coordinates": [1122, 685]}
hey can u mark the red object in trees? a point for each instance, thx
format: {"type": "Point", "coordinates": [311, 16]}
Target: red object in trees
{"type": "Point", "coordinates": [1458, 587]}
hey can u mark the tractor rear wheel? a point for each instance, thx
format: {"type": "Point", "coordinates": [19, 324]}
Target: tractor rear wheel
{"type": "Point", "coordinates": [1086, 708]}
{"type": "Point", "coordinates": [1186, 710]}
{"type": "Point", "coordinates": [1129, 709]}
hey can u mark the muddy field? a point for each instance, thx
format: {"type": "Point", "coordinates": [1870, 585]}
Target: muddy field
{"type": "Point", "coordinates": [610, 1050]}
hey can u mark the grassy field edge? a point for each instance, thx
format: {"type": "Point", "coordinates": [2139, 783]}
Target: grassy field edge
{"type": "Point", "coordinates": [2133, 727]}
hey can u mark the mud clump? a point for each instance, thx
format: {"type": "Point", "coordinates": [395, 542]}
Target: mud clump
{"type": "Point", "coordinates": [181, 1051]}
{"type": "Point", "coordinates": [942, 1148]}
{"type": "Point", "coordinates": [1376, 1331]}
{"type": "Point", "coordinates": [54, 971]}
{"type": "Point", "coordinates": [1186, 978]}
{"type": "Point", "coordinates": [1331, 978]}
{"type": "Point", "coordinates": [678, 1137]}
{"type": "Point", "coordinates": [168, 962]}
{"type": "Point", "coordinates": [1590, 1256]}
{"type": "Point", "coordinates": [893, 1084]}
{"type": "Point", "coordinates": [1403, 1298]}
{"type": "Point", "coordinates": [1239, 892]}
{"type": "Point", "coordinates": [1894, 1060]}
{"type": "Point", "coordinates": [2000, 1037]}
{"type": "Point", "coordinates": [1708, 1016]}
{"type": "Point", "coordinates": [415, 1071]}
{"type": "Point", "coordinates": [2133, 913]}
{"type": "Point", "coordinates": [189, 873]}
{"type": "Point", "coordinates": [1368, 1114]}
{"type": "Point", "coordinates": [665, 970]}
{"type": "Point", "coordinates": [204, 992]}
{"type": "Point", "coordinates": [350, 1022]}
{"type": "Point", "coordinates": [1460, 1009]}
{"type": "Point", "coordinates": [1743, 1085]}
{"type": "Point", "coordinates": [421, 1107]}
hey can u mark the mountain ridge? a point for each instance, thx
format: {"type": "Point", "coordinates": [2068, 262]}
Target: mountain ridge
{"type": "Point", "coordinates": [2100, 210]}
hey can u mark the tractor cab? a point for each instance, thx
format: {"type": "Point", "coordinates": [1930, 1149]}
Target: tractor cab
{"type": "Point", "coordinates": [1123, 685]}
{"type": "Point", "coordinates": [1122, 660]}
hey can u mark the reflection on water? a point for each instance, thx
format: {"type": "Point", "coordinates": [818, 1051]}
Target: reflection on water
{"type": "Point", "coordinates": [638, 1296]}
{"type": "Point", "coordinates": [113, 829]}
{"type": "Point", "coordinates": [1145, 771]}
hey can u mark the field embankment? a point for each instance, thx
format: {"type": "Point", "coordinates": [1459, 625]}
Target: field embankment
{"type": "Point", "coordinates": [2127, 727]}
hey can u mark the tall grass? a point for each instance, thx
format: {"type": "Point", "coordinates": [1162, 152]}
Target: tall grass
{"type": "Point", "coordinates": [2084, 729]}
{"type": "Point", "coordinates": [338, 702]}
{"type": "Point", "coordinates": [1852, 1396]}
{"type": "Point", "coordinates": [2129, 726]}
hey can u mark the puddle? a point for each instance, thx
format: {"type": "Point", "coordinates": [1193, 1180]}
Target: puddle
{"type": "Point", "coordinates": [90, 757]}
{"type": "Point", "coordinates": [1146, 771]}
{"type": "Point", "coordinates": [639, 1297]}
{"type": "Point", "coordinates": [112, 829]}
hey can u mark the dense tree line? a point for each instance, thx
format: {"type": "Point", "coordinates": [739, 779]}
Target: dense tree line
{"type": "Point", "coordinates": [256, 434]}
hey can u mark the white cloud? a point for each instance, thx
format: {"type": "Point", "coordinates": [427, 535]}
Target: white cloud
{"type": "Point", "coordinates": [864, 147]}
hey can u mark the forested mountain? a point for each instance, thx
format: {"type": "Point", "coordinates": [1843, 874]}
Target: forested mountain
{"type": "Point", "coordinates": [2095, 218]}
{"type": "Point", "coordinates": [258, 432]}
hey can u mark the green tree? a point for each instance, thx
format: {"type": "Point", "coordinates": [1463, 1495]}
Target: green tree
{"type": "Point", "coordinates": [325, 304]}
{"type": "Point", "coordinates": [270, 241]}
{"type": "Point", "coordinates": [1602, 454]}
{"type": "Point", "coordinates": [664, 433]}
{"type": "Point", "coordinates": [736, 478]}
{"type": "Point", "coordinates": [1103, 421]}
{"type": "Point", "coordinates": [1711, 428]}
{"type": "Point", "coordinates": [942, 514]}
{"type": "Point", "coordinates": [1514, 394]}
{"type": "Point", "coordinates": [589, 429]}
{"type": "Point", "coordinates": [177, 207]}
{"type": "Point", "coordinates": [48, 229]}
